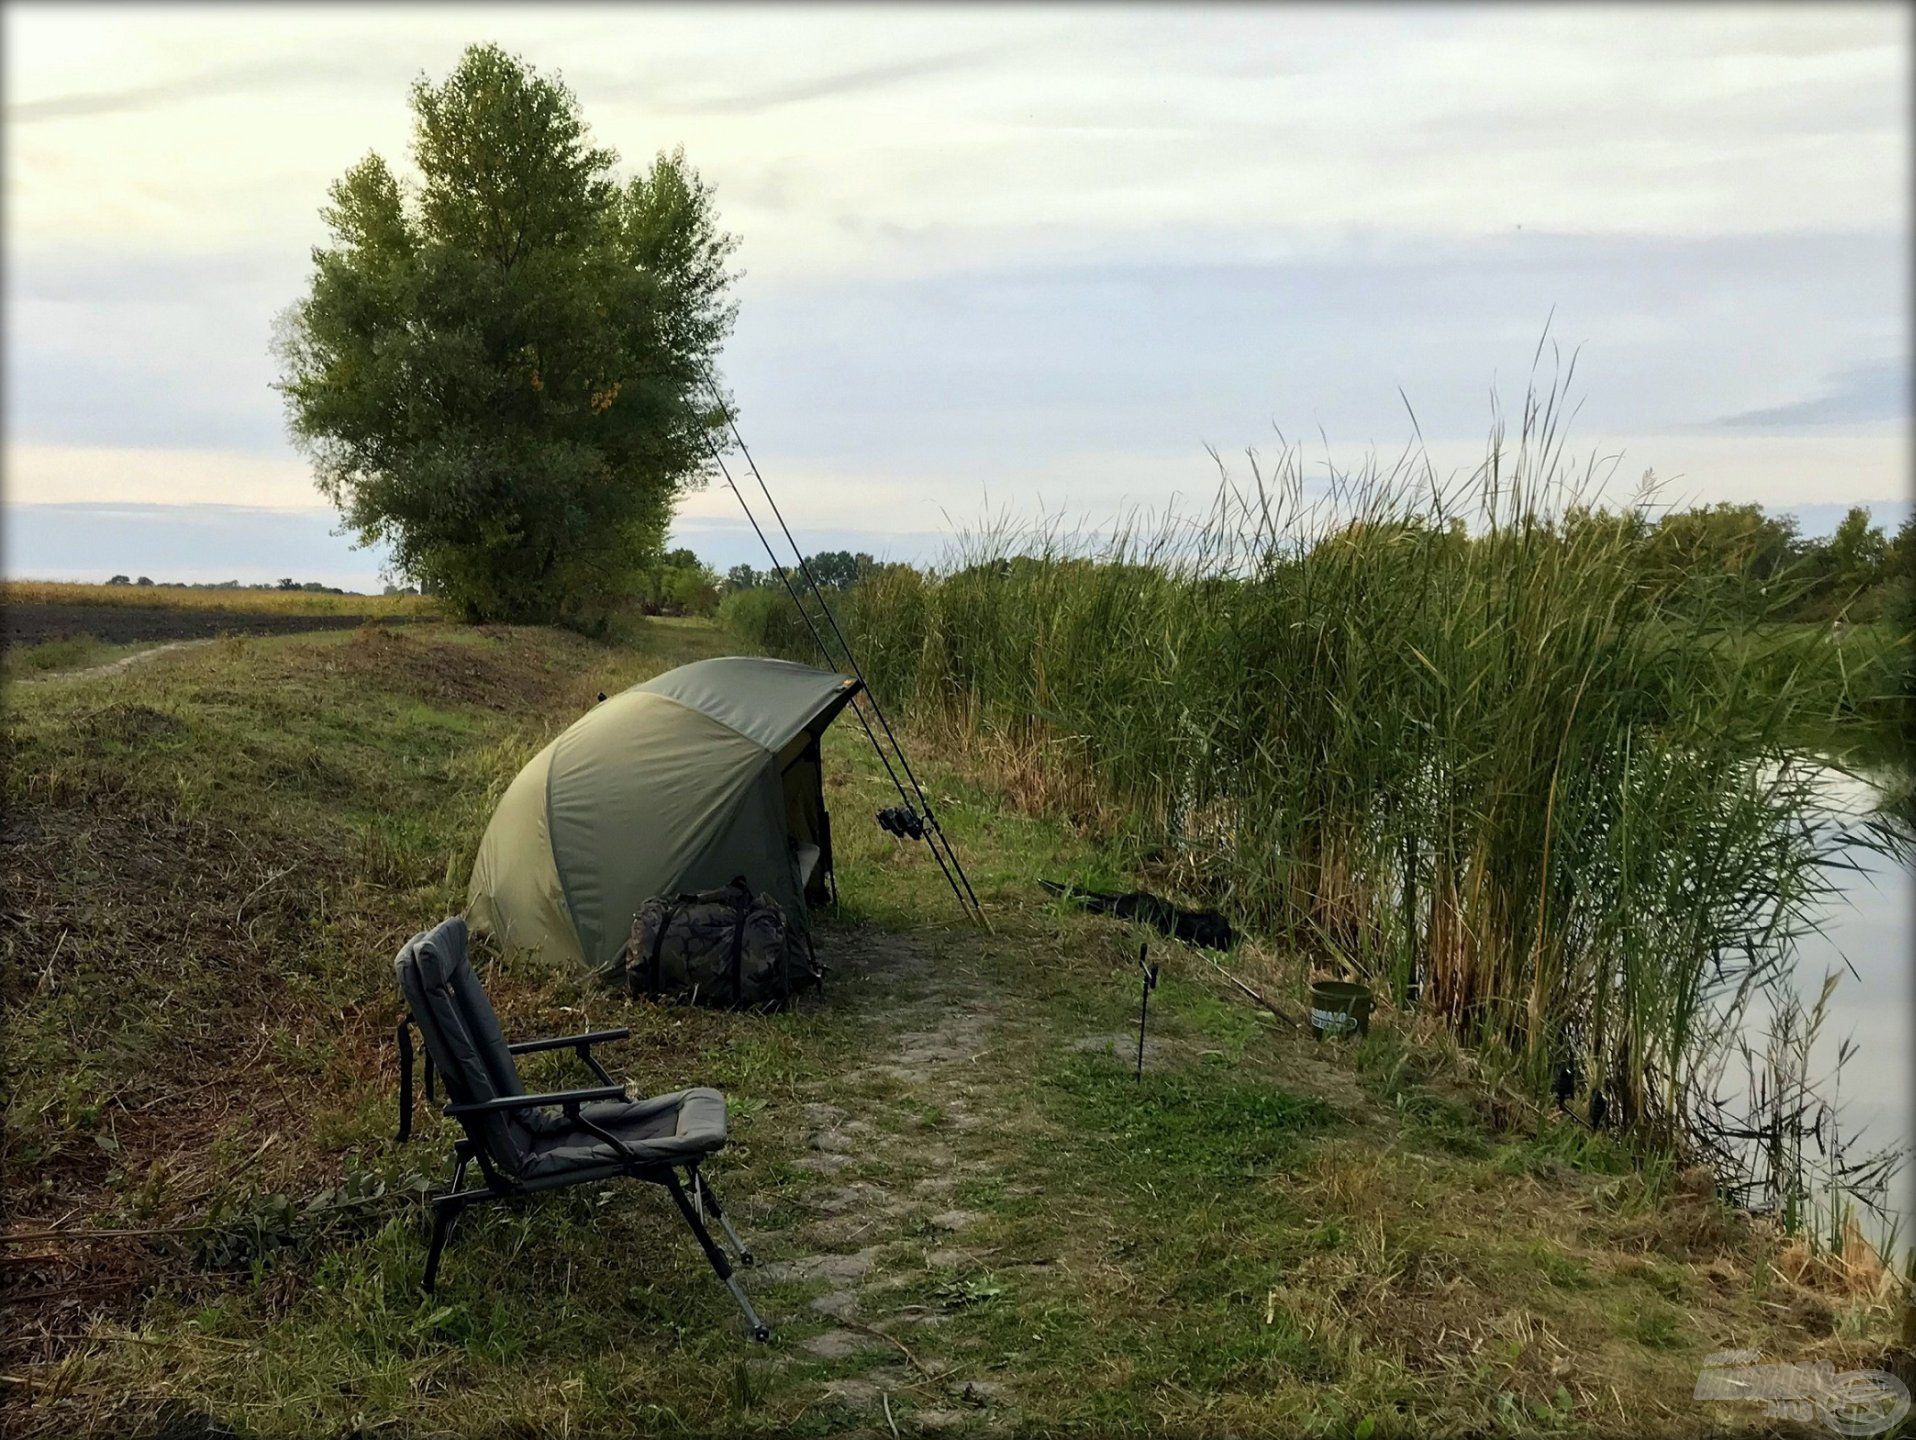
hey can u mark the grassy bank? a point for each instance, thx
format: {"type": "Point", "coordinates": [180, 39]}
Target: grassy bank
{"type": "Point", "coordinates": [973, 1217]}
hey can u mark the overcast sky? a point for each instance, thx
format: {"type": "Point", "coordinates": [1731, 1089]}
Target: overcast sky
{"type": "Point", "coordinates": [1004, 258]}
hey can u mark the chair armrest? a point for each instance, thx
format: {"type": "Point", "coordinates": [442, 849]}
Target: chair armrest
{"type": "Point", "coordinates": [568, 1042]}
{"type": "Point", "coordinates": [502, 1103]}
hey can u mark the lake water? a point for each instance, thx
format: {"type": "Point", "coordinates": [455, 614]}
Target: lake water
{"type": "Point", "coordinates": [1868, 928]}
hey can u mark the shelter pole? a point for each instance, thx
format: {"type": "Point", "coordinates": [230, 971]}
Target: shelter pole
{"type": "Point", "coordinates": [825, 651]}
{"type": "Point", "coordinates": [832, 620]}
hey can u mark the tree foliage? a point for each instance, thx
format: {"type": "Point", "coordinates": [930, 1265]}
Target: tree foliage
{"type": "Point", "coordinates": [1756, 563]}
{"type": "Point", "coordinates": [499, 369]}
{"type": "Point", "coordinates": [677, 583]}
{"type": "Point", "coordinates": [839, 569]}
{"type": "Point", "coordinates": [832, 569]}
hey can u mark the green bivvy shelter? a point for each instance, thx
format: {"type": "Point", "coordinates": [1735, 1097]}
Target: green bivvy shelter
{"type": "Point", "coordinates": [704, 773]}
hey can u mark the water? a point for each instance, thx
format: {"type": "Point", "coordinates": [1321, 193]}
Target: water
{"type": "Point", "coordinates": [1867, 940]}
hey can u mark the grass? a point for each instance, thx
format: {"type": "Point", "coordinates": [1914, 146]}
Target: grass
{"type": "Point", "coordinates": [63, 652]}
{"type": "Point", "coordinates": [208, 597]}
{"type": "Point", "coordinates": [211, 859]}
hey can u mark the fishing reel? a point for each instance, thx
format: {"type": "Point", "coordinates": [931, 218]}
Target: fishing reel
{"type": "Point", "coordinates": [902, 821]}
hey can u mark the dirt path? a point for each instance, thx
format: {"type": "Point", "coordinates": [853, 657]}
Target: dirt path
{"type": "Point", "coordinates": [888, 1143]}
{"type": "Point", "coordinates": [112, 667]}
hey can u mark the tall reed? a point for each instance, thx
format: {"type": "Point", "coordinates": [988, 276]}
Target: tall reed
{"type": "Point", "coordinates": [1441, 731]}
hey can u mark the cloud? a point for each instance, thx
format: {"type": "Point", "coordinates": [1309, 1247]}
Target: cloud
{"type": "Point", "coordinates": [823, 87]}
{"type": "Point", "coordinates": [1860, 394]}
{"type": "Point", "coordinates": [96, 276]}
{"type": "Point", "coordinates": [131, 476]}
{"type": "Point", "coordinates": [205, 84]}
{"type": "Point", "coordinates": [1046, 251]}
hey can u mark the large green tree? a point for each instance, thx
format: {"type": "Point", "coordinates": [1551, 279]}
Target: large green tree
{"type": "Point", "coordinates": [499, 369]}
{"type": "Point", "coordinates": [1858, 554]}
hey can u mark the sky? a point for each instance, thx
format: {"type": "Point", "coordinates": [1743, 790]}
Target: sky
{"type": "Point", "coordinates": [1007, 261]}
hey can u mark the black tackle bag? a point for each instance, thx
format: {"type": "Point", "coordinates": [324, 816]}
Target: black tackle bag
{"type": "Point", "coordinates": [724, 947]}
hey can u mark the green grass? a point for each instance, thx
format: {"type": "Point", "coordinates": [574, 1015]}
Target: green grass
{"type": "Point", "coordinates": [212, 858]}
{"type": "Point", "coordinates": [1182, 1129]}
{"type": "Point", "coordinates": [63, 652]}
{"type": "Point", "coordinates": [1848, 685]}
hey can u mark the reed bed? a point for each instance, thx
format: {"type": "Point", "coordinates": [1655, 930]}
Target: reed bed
{"type": "Point", "coordinates": [1444, 734]}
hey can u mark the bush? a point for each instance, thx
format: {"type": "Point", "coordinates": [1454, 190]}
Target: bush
{"type": "Point", "coordinates": [746, 615]}
{"type": "Point", "coordinates": [677, 583]}
{"type": "Point", "coordinates": [765, 620]}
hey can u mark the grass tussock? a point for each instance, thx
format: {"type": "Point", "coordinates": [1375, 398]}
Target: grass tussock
{"type": "Point", "coordinates": [63, 652]}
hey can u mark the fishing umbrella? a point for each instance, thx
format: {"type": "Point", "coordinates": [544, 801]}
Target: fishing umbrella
{"type": "Point", "coordinates": [702, 774]}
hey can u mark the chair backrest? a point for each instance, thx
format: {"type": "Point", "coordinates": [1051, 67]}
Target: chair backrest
{"type": "Point", "coordinates": [462, 1035]}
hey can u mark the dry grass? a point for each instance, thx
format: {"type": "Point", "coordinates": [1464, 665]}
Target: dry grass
{"type": "Point", "coordinates": [206, 597]}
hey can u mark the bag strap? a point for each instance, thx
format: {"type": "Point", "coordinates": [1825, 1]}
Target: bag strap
{"type": "Point", "coordinates": [652, 983]}
{"type": "Point", "coordinates": [405, 1080]}
{"type": "Point", "coordinates": [741, 913]}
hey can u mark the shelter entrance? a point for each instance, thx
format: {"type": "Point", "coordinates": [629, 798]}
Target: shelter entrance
{"type": "Point", "coordinates": [808, 823]}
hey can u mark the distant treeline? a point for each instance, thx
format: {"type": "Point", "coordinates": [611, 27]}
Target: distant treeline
{"type": "Point", "coordinates": [1701, 558]}
{"type": "Point", "coordinates": [1762, 565]}
{"type": "Point", "coordinates": [757, 608]}
{"type": "Point", "coordinates": [1701, 561]}
{"type": "Point", "coordinates": [832, 569]}
{"type": "Point", "coordinates": [310, 587]}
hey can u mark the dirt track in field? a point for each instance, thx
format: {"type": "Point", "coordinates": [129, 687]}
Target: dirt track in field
{"type": "Point", "coordinates": [135, 624]}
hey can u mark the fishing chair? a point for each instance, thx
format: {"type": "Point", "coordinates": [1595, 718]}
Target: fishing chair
{"type": "Point", "coordinates": [526, 1144]}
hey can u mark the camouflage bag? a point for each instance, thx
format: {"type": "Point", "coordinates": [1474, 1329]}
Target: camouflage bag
{"type": "Point", "coordinates": [718, 947]}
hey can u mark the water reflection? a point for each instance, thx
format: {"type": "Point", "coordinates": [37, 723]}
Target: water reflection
{"type": "Point", "coordinates": [1867, 936]}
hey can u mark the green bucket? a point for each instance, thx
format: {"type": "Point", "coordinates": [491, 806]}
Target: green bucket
{"type": "Point", "coordinates": [1339, 1007]}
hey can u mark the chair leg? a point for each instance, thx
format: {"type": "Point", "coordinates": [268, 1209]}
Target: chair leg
{"type": "Point", "coordinates": [444, 1212]}
{"type": "Point", "coordinates": [720, 1265]}
{"type": "Point", "coordinates": [703, 1187]}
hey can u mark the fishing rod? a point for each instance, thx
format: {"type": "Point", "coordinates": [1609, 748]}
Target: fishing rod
{"type": "Point", "coordinates": [931, 816]}
{"type": "Point", "coordinates": [932, 830]}
{"type": "Point", "coordinates": [825, 652]}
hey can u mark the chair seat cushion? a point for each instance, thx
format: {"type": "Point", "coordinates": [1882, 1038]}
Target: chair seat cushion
{"type": "Point", "coordinates": [665, 1130]}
